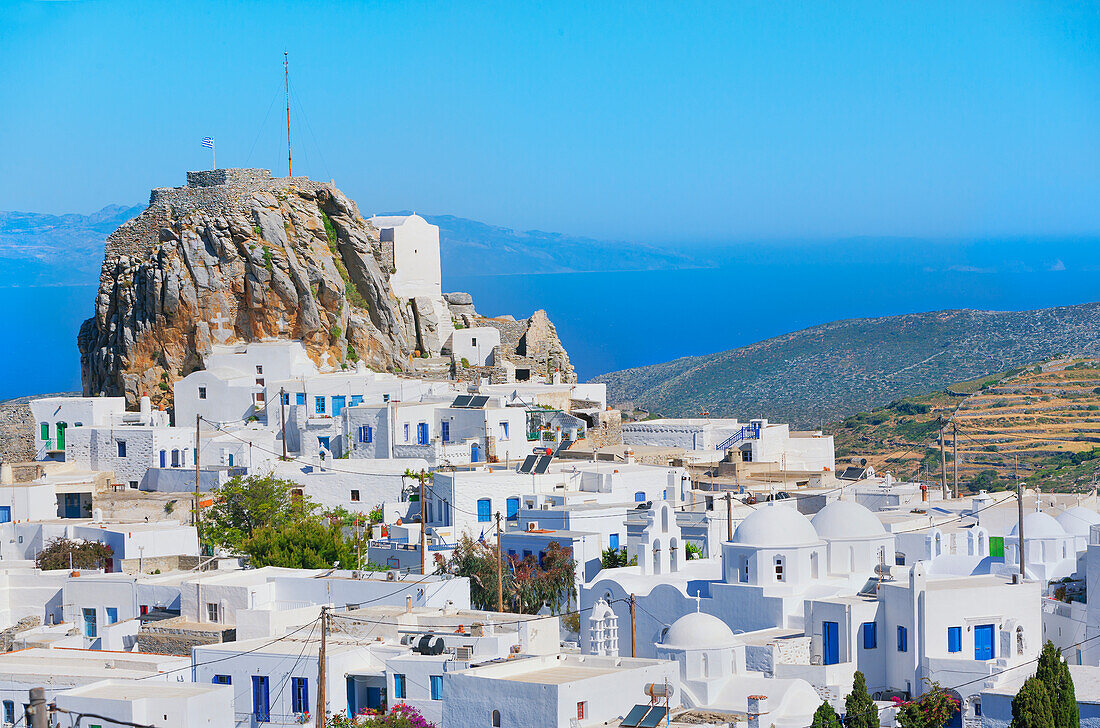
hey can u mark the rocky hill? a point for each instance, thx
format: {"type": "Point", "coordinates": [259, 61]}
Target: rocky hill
{"type": "Point", "coordinates": [824, 373]}
{"type": "Point", "coordinates": [238, 256]}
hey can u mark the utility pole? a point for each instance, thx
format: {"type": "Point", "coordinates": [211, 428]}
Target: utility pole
{"type": "Point", "coordinates": [633, 630]}
{"type": "Point", "coordinates": [1019, 510]}
{"type": "Point", "coordinates": [423, 522]}
{"type": "Point", "coordinates": [943, 467]}
{"type": "Point", "coordinates": [286, 78]}
{"type": "Point", "coordinates": [198, 506]}
{"type": "Point", "coordinates": [282, 417]}
{"type": "Point", "coordinates": [955, 454]}
{"type": "Point", "coordinates": [39, 713]}
{"type": "Point", "coordinates": [729, 517]}
{"type": "Point", "coordinates": [500, 570]}
{"type": "Point", "coordinates": [321, 668]}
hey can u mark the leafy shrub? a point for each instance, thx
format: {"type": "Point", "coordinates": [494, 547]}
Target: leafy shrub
{"type": "Point", "coordinates": [64, 553]}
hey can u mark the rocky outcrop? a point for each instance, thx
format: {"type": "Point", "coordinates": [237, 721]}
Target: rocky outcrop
{"type": "Point", "coordinates": [239, 256]}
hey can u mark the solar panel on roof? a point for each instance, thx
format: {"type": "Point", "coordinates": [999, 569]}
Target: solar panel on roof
{"type": "Point", "coordinates": [654, 717]}
{"type": "Point", "coordinates": [634, 717]}
{"type": "Point", "coordinates": [479, 401]}
{"type": "Point", "coordinates": [462, 400]}
{"type": "Point", "coordinates": [543, 464]}
{"type": "Point", "coordinates": [528, 463]}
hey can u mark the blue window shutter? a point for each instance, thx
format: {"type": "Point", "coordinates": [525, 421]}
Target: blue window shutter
{"type": "Point", "coordinates": [830, 639]}
{"type": "Point", "coordinates": [903, 640]}
{"type": "Point", "coordinates": [613, 541]}
{"type": "Point", "coordinates": [437, 687]}
{"type": "Point", "coordinates": [399, 686]}
{"type": "Point", "coordinates": [484, 510]}
{"type": "Point", "coordinates": [513, 507]}
{"type": "Point", "coordinates": [299, 398]}
{"type": "Point", "coordinates": [870, 638]}
{"type": "Point", "coordinates": [639, 497]}
{"type": "Point", "coordinates": [954, 639]}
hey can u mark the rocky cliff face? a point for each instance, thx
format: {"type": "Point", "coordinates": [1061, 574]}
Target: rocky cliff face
{"type": "Point", "coordinates": [238, 256]}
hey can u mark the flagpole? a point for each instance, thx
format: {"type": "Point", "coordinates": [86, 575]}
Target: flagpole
{"type": "Point", "coordinates": [213, 155]}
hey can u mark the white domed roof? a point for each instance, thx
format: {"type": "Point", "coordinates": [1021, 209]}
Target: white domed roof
{"type": "Point", "coordinates": [698, 631]}
{"type": "Point", "coordinates": [846, 519]}
{"type": "Point", "coordinates": [1076, 520]}
{"type": "Point", "coordinates": [776, 526]}
{"type": "Point", "coordinates": [1039, 525]}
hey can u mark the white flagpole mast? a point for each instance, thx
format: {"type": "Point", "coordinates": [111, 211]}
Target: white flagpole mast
{"type": "Point", "coordinates": [213, 154]}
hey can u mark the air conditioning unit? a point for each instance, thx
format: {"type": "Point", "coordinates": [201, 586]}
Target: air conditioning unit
{"type": "Point", "coordinates": [464, 653]}
{"type": "Point", "coordinates": [392, 575]}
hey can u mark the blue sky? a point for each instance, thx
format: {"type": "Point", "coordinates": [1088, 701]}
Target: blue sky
{"type": "Point", "coordinates": [662, 122]}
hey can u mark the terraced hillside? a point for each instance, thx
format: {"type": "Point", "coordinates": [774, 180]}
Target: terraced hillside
{"type": "Point", "coordinates": [1046, 416]}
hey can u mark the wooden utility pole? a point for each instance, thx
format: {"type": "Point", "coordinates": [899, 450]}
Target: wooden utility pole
{"type": "Point", "coordinates": [198, 506]}
{"type": "Point", "coordinates": [321, 668]}
{"type": "Point", "coordinates": [286, 78]}
{"type": "Point", "coordinates": [633, 630]}
{"type": "Point", "coordinates": [38, 711]}
{"type": "Point", "coordinates": [729, 517]}
{"type": "Point", "coordinates": [282, 417]}
{"type": "Point", "coordinates": [500, 570]}
{"type": "Point", "coordinates": [955, 455]}
{"type": "Point", "coordinates": [1019, 511]}
{"type": "Point", "coordinates": [423, 522]}
{"type": "Point", "coordinates": [943, 466]}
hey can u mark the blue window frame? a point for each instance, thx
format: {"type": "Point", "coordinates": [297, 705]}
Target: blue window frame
{"type": "Point", "coordinates": [954, 639]}
{"type": "Point", "coordinates": [299, 695]}
{"type": "Point", "coordinates": [261, 699]}
{"type": "Point", "coordinates": [356, 400]}
{"type": "Point", "coordinates": [5, 514]}
{"type": "Point", "coordinates": [903, 639]}
{"type": "Point", "coordinates": [366, 433]}
{"type": "Point", "coordinates": [503, 430]}
{"type": "Point", "coordinates": [983, 642]}
{"type": "Point", "coordinates": [89, 622]}
{"type": "Point", "coordinates": [445, 431]}
{"type": "Point", "coordinates": [406, 433]}
{"type": "Point", "coordinates": [112, 615]}
{"type": "Point", "coordinates": [121, 448]}
{"type": "Point", "coordinates": [870, 636]}
{"type": "Point", "coordinates": [613, 541]}
{"type": "Point", "coordinates": [222, 680]}
{"type": "Point", "coordinates": [513, 508]}
{"type": "Point", "coordinates": [484, 510]}
{"type": "Point", "coordinates": [230, 459]}
{"type": "Point", "coordinates": [9, 711]}
{"type": "Point", "coordinates": [163, 458]}
{"type": "Point", "coordinates": [422, 433]}
{"type": "Point", "coordinates": [286, 397]}
{"type": "Point", "coordinates": [437, 687]}
{"type": "Point", "coordinates": [830, 643]}
{"type": "Point", "coordinates": [299, 398]}
{"type": "Point", "coordinates": [175, 458]}
{"type": "Point", "coordinates": [323, 442]}
{"type": "Point", "coordinates": [319, 405]}
{"type": "Point", "coordinates": [639, 497]}
{"type": "Point", "coordinates": [399, 686]}
{"type": "Point", "coordinates": [339, 401]}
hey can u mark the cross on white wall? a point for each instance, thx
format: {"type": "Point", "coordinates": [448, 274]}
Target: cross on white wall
{"type": "Point", "coordinates": [326, 360]}
{"type": "Point", "coordinates": [221, 331]}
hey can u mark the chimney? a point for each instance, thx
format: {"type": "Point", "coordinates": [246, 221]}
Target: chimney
{"type": "Point", "coordinates": [757, 706]}
{"type": "Point", "coordinates": [146, 407]}
{"type": "Point", "coordinates": [408, 604]}
{"type": "Point", "coordinates": [629, 455]}
{"type": "Point", "coordinates": [6, 475]}
{"type": "Point", "coordinates": [923, 493]}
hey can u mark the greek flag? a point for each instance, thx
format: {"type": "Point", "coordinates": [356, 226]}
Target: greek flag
{"type": "Point", "coordinates": [208, 142]}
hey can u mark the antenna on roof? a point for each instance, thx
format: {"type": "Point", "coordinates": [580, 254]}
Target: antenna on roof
{"type": "Point", "coordinates": [286, 79]}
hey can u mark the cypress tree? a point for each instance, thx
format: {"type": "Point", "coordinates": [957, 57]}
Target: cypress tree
{"type": "Point", "coordinates": [1031, 706]}
{"type": "Point", "coordinates": [859, 710]}
{"type": "Point", "coordinates": [1053, 672]}
{"type": "Point", "coordinates": [825, 717]}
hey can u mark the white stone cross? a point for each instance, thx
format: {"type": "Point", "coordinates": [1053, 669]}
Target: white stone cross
{"type": "Point", "coordinates": [326, 361]}
{"type": "Point", "coordinates": [221, 331]}
{"type": "Point", "coordinates": [282, 322]}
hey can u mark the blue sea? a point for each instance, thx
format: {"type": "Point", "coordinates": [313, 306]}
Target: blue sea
{"type": "Point", "coordinates": [613, 320]}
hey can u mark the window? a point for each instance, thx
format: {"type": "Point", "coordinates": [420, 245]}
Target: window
{"type": "Point", "coordinates": [903, 639]}
{"type": "Point", "coordinates": [319, 405]}
{"type": "Point", "coordinates": [512, 508]}
{"type": "Point", "coordinates": [338, 403]}
{"type": "Point", "coordinates": [422, 433]}
{"type": "Point", "coordinates": [299, 398]}
{"type": "Point", "coordinates": [323, 442]}
{"type": "Point", "coordinates": [870, 636]}
{"type": "Point", "coordinates": [222, 680]}
{"type": "Point", "coordinates": [175, 458]}
{"type": "Point", "coordinates": [285, 398]}
{"type": "Point", "coordinates": [89, 622]}
{"type": "Point", "coordinates": [163, 458]}
{"type": "Point", "coordinates": [954, 639]}
{"type": "Point", "coordinates": [45, 435]}
{"type": "Point", "coordinates": [779, 576]}
{"type": "Point", "coordinates": [385, 398]}
{"type": "Point", "coordinates": [526, 554]}
{"type": "Point", "coordinates": [112, 615]}
{"type": "Point", "coordinates": [496, 719]}
{"type": "Point", "coordinates": [613, 541]}
{"type": "Point", "coordinates": [299, 695]}
{"type": "Point", "coordinates": [366, 433]}
{"type": "Point", "coordinates": [355, 496]}
{"type": "Point", "coordinates": [503, 430]}
{"type": "Point", "coordinates": [121, 448]}
{"type": "Point", "coordinates": [406, 433]}
{"type": "Point", "coordinates": [9, 711]}
{"type": "Point", "coordinates": [639, 497]}
{"type": "Point", "coordinates": [261, 705]}
{"type": "Point", "coordinates": [582, 708]}
{"type": "Point", "coordinates": [399, 686]}
{"type": "Point", "coordinates": [211, 612]}
{"type": "Point", "coordinates": [259, 369]}
{"type": "Point", "coordinates": [977, 708]}
{"type": "Point", "coordinates": [356, 399]}
{"type": "Point", "coordinates": [143, 609]}
{"type": "Point", "coordinates": [202, 392]}
{"type": "Point", "coordinates": [260, 396]}
{"type": "Point", "coordinates": [445, 431]}
{"type": "Point", "coordinates": [484, 510]}
{"type": "Point", "coordinates": [133, 485]}
{"type": "Point", "coordinates": [473, 341]}
{"type": "Point", "coordinates": [437, 687]}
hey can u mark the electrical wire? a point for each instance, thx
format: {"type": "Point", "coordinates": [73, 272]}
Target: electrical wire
{"type": "Point", "coordinates": [97, 716]}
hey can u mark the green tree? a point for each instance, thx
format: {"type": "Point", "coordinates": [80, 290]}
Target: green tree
{"type": "Point", "coordinates": [859, 710]}
{"type": "Point", "coordinates": [931, 710]}
{"type": "Point", "coordinates": [1053, 672]}
{"type": "Point", "coordinates": [528, 583]}
{"type": "Point", "coordinates": [825, 717]}
{"type": "Point", "coordinates": [64, 553]}
{"type": "Point", "coordinates": [244, 505]}
{"type": "Point", "coordinates": [308, 544]}
{"type": "Point", "coordinates": [1031, 707]}
{"type": "Point", "coordinates": [616, 558]}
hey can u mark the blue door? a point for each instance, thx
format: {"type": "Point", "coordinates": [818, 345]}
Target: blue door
{"type": "Point", "coordinates": [72, 505]}
{"type": "Point", "coordinates": [445, 431]}
{"type": "Point", "coordinates": [513, 508]}
{"type": "Point", "coordinates": [323, 442]}
{"type": "Point", "coordinates": [422, 433]}
{"type": "Point", "coordinates": [613, 541]}
{"type": "Point", "coordinates": [830, 642]}
{"type": "Point", "coordinates": [261, 705]}
{"type": "Point", "coordinates": [983, 642]}
{"type": "Point", "coordinates": [338, 402]}
{"type": "Point", "coordinates": [374, 698]}
{"type": "Point", "coordinates": [89, 622]}
{"type": "Point", "coordinates": [475, 453]}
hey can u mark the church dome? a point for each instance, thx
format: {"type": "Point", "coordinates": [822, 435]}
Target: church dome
{"type": "Point", "coordinates": [1076, 520]}
{"type": "Point", "coordinates": [1039, 525]}
{"type": "Point", "coordinates": [780, 526]}
{"type": "Point", "coordinates": [698, 631]}
{"type": "Point", "coordinates": [846, 520]}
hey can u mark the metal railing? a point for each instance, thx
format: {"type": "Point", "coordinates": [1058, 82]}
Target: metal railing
{"type": "Point", "coordinates": [748, 432]}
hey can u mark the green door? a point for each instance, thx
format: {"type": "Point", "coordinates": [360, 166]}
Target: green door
{"type": "Point", "coordinates": [61, 435]}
